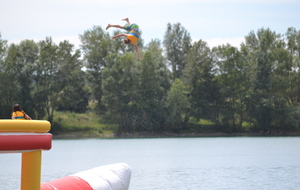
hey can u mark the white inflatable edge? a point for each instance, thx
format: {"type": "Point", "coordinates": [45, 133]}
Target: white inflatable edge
{"type": "Point", "coordinates": [107, 177]}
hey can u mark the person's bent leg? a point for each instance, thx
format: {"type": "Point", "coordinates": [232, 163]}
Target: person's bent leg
{"type": "Point", "coordinates": [127, 20]}
{"type": "Point", "coordinates": [115, 26]}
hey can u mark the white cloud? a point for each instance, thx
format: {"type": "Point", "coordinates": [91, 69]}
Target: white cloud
{"type": "Point", "coordinates": [145, 2]}
{"type": "Point", "coordinates": [72, 40]}
{"type": "Point", "coordinates": [214, 42]}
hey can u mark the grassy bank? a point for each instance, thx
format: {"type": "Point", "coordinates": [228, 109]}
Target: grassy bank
{"type": "Point", "coordinates": [87, 125]}
{"type": "Point", "coordinates": [70, 124]}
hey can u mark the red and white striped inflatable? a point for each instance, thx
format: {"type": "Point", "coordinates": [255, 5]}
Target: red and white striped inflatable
{"type": "Point", "coordinates": [108, 177]}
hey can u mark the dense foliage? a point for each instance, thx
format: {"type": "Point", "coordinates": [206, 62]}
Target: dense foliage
{"type": "Point", "coordinates": [176, 84]}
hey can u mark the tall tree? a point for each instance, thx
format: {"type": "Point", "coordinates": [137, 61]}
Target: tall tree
{"type": "Point", "coordinates": [27, 57]}
{"type": "Point", "coordinates": [163, 72]}
{"type": "Point", "coordinates": [96, 45]}
{"type": "Point", "coordinates": [177, 42]}
{"type": "Point", "coordinates": [293, 47]}
{"type": "Point", "coordinates": [45, 85]}
{"type": "Point", "coordinates": [57, 69]}
{"type": "Point", "coordinates": [3, 46]}
{"type": "Point", "coordinates": [151, 96]}
{"type": "Point", "coordinates": [199, 76]}
{"type": "Point", "coordinates": [133, 93]}
{"type": "Point", "coordinates": [178, 105]}
{"type": "Point", "coordinates": [119, 91]}
{"type": "Point", "coordinates": [292, 73]}
{"type": "Point", "coordinates": [231, 67]}
{"type": "Point", "coordinates": [261, 47]}
{"type": "Point", "coordinates": [19, 66]}
{"type": "Point", "coordinates": [12, 91]}
{"type": "Point", "coordinates": [74, 96]}
{"type": "Point", "coordinates": [5, 93]}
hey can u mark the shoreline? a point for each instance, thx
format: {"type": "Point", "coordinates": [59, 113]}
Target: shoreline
{"type": "Point", "coordinates": [170, 135]}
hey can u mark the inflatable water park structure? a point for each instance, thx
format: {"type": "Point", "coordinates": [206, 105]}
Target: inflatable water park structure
{"type": "Point", "coordinates": [31, 137]}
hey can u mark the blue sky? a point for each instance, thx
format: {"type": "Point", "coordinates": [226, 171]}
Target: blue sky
{"type": "Point", "coordinates": [215, 21]}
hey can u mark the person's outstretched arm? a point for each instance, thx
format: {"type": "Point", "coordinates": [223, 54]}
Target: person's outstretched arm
{"type": "Point", "coordinates": [119, 35]}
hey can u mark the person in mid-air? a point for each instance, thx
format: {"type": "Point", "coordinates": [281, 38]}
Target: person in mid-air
{"type": "Point", "coordinates": [133, 35]}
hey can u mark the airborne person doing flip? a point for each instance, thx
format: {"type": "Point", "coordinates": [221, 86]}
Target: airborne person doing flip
{"type": "Point", "coordinates": [133, 35]}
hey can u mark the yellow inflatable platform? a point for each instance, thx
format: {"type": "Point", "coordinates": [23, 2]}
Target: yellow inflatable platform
{"type": "Point", "coordinates": [26, 126]}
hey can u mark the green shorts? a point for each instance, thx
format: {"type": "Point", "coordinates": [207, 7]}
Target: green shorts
{"type": "Point", "coordinates": [129, 27]}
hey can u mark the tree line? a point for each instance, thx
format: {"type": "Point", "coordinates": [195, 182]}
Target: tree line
{"type": "Point", "coordinates": [176, 83]}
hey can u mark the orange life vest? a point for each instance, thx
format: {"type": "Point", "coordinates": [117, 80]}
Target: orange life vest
{"type": "Point", "coordinates": [133, 36]}
{"type": "Point", "coordinates": [18, 115]}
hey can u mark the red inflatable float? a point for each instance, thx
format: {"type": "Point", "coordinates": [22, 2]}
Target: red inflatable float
{"type": "Point", "coordinates": [108, 177]}
{"type": "Point", "coordinates": [28, 137]}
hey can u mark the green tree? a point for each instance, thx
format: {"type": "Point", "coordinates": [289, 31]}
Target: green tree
{"type": "Point", "coordinates": [203, 89]}
{"type": "Point", "coordinates": [18, 67]}
{"type": "Point", "coordinates": [3, 46]}
{"type": "Point", "coordinates": [12, 91]}
{"type": "Point", "coordinates": [292, 66]}
{"type": "Point", "coordinates": [133, 93]}
{"type": "Point", "coordinates": [151, 96]}
{"type": "Point", "coordinates": [163, 73]}
{"type": "Point", "coordinates": [261, 47]}
{"type": "Point", "coordinates": [178, 105]}
{"type": "Point", "coordinates": [119, 91]}
{"type": "Point", "coordinates": [6, 82]}
{"type": "Point", "coordinates": [27, 57]}
{"type": "Point", "coordinates": [291, 74]}
{"type": "Point", "coordinates": [231, 67]}
{"type": "Point", "coordinates": [58, 68]}
{"type": "Point", "coordinates": [46, 87]}
{"type": "Point", "coordinates": [177, 42]}
{"type": "Point", "coordinates": [75, 96]}
{"type": "Point", "coordinates": [96, 45]}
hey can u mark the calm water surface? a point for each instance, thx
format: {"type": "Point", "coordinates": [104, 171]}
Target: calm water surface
{"type": "Point", "coordinates": [234, 163]}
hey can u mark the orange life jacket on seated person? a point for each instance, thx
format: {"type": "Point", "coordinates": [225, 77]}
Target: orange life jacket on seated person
{"type": "Point", "coordinates": [18, 115]}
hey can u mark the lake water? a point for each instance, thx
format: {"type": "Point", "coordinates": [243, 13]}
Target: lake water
{"type": "Point", "coordinates": [233, 163]}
